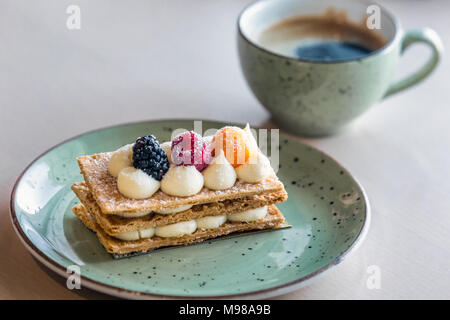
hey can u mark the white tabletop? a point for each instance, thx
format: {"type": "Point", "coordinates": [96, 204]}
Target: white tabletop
{"type": "Point", "coordinates": [136, 60]}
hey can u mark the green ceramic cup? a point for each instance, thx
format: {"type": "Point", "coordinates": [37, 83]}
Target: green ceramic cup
{"type": "Point", "coordinates": [320, 98]}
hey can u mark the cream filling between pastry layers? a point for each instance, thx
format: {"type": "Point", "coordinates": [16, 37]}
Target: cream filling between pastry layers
{"type": "Point", "coordinates": [211, 222]}
{"type": "Point", "coordinates": [176, 229]}
{"type": "Point", "coordinates": [188, 227]}
{"type": "Point", "coordinates": [249, 215]}
{"type": "Point", "coordinates": [136, 234]}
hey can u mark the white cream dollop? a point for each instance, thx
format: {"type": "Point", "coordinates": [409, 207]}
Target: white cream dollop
{"type": "Point", "coordinates": [177, 229]}
{"type": "Point", "coordinates": [208, 139]}
{"type": "Point", "coordinates": [167, 147]}
{"type": "Point", "coordinates": [211, 222]}
{"type": "Point", "coordinates": [175, 210]}
{"type": "Point", "coordinates": [255, 171]}
{"type": "Point", "coordinates": [249, 215]}
{"type": "Point", "coordinates": [182, 181]}
{"type": "Point", "coordinates": [121, 158]}
{"type": "Point", "coordinates": [252, 140]}
{"type": "Point", "coordinates": [136, 184]}
{"type": "Point", "coordinates": [219, 174]}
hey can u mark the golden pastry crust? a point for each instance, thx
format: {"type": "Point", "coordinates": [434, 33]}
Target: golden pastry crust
{"type": "Point", "coordinates": [104, 190]}
{"type": "Point", "coordinates": [113, 224]}
{"type": "Point", "coordinates": [273, 219]}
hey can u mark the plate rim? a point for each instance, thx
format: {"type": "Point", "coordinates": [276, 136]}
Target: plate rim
{"type": "Point", "coordinates": [132, 294]}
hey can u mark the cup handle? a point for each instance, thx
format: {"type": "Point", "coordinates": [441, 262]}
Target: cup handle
{"type": "Point", "coordinates": [429, 37]}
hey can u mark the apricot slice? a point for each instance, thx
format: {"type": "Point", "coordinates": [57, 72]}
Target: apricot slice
{"type": "Point", "coordinates": [235, 144]}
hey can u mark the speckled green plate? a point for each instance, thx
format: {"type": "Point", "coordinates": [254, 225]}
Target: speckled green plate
{"type": "Point", "coordinates": [327, 208]}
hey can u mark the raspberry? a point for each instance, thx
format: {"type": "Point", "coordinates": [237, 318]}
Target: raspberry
{"type": "Point", "coordinates": [188, 148]}
{"type": "Point", "coordinates": [150, 157]}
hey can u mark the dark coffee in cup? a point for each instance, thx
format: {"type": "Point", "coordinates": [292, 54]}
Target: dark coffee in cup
{"type": "Point", "coordinates": [328, 37]}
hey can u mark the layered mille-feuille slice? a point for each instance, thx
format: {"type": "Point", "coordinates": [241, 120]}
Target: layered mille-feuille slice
{"type": "Point", "coordinates": [145, 196]}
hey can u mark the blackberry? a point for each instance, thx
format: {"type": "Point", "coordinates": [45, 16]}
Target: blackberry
{"type": "Point", "coordinates": [150, 157]}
